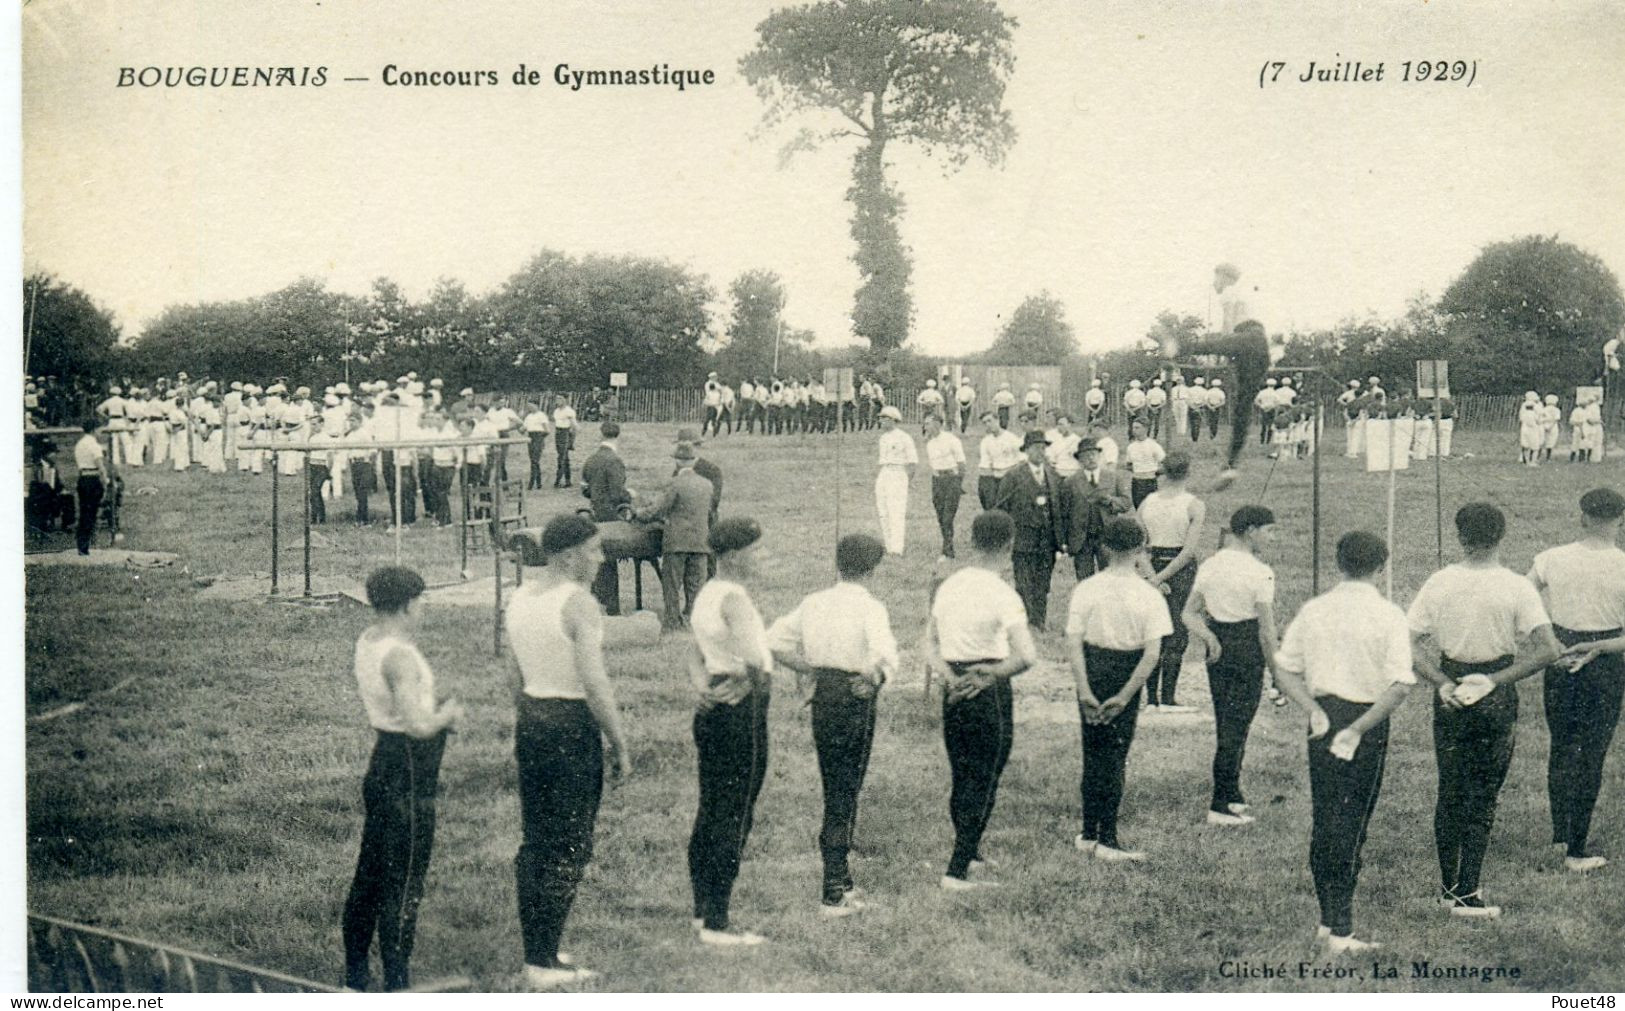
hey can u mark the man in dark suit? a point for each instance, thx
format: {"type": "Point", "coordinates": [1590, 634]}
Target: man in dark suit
{"type": "Point", "coordinates": [1030, 493]}
{"type": "Point", "coordinates": [1088, 499]}
{"type": "Point", "coordinates": [685, 546]}
{"type": "Point", "coordinates": [603, 481]}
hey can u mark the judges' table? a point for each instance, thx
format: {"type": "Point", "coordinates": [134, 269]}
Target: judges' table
{"type": "Point", "coordinates": [622, 539]}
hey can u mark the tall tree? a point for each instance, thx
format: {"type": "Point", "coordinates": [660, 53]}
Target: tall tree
{"type": "Point", "coordinates": [928, 74]}
{"type": "Point", "coordinates": [756, 328]}
{"type": "Point", "coordinates": [1531, 313]}
{"type": "Point", "coordinates": [1037, 333]}
{"type": "Point", "coordinates": [68, 336]}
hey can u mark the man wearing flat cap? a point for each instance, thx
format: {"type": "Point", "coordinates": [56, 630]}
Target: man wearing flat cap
{"type": "Point", "coordinates": [1030, 493]}
{"type": "Point", "coordinates": [685, 546]}
{"type": "Point", "coordinates": [1088, 498]}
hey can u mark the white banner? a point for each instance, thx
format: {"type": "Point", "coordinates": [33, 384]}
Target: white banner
{"type": "Point", "coordinates": [1380, 433]}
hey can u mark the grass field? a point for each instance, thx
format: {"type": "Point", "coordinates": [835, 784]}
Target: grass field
{"type": "Point", "coordinates": [215, 801]}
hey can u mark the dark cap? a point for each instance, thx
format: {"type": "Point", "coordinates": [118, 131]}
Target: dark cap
{"type": "Point", "coordinates": [1033, 438]}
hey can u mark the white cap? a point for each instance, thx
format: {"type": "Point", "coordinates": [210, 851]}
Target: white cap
{"type": "Point", "coordinates": [342, 389]}
{"type": "Point", "coordinates": [1133, 384]}
{"type": "Point", "coordinates": [1531, 395]}
{"type": "Point", "coordinates": [1375, 381]}
{"type": "Point", "coordinates": [1032, 386]}
{"type": "Point", "coordinates": [331, 399]}
{"type": "Point", "coordinates": [411, 375]}
{"type": "Point", "coordinates": [468, 391]}
{"type": "Point", "coordinates": [303, 391]}
{"type": "Point", "coordinates": [237, 384]}
{"type": "Point", "coordinates": [116, 390]}
{"type": "Point", "coordinates": [1004, 386]}
{"type": "Point", "coordinates": [930, 384]}
{"type": "Point", "coordinates": [891, 412]}
{"type": "Point", "coordinates": [1094, 384]}
{"type": "Point", "coordinates": [276, 388]}
{"type": "Point", "coordinates": [1354, 384]}
{"type": "Point", "coordinates": [1270, 381]}
{"type": "Point", "coordinates": [437, 383]}
{"type": "Point", "coordinates": [1217, 381]}
{"type": "Point", "coordinates": [1551, 398]}
{"type": "Point", "coordinates": [1157, 381]}
{"type": "Point", "coordinates": [1200, 381]}
{"type": "Point", "coordinates": [1286, 380]}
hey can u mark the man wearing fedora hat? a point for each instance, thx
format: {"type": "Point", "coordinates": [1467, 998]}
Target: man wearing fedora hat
{"type": "Point", "coordinates": [685, 545]}
{"type": "Point", "coordinates": [603, 481]}
{"type": "Point", "coordinates": [1030, 493]}
{"type": "Point", "coordinates": [1088, 498]}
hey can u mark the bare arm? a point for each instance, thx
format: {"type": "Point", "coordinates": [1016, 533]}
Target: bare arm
{"type": "Point", "coordinates": [1195, 618]}
{"type": "Point", "coordinates": [1023, 654]}
{"type": "Point", "coordinates": [405, 680]}
{"type": "Point", "coordinates": [1080, 672]}
{"type": "Point", "coordinates": [1540, 649]}
{"type": "Point", "coordinates": [1268, 640]}
{"type": "Point", "coordinates": [584, 626]}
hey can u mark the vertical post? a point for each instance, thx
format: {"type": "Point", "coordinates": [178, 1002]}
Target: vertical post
{"type": "Point", "coordinates": [496, 548]}
{"type": "Point", "coordinates": [1388, 571]}
{"type": "Point", "coordinates": [839, 438]}
{"type": "Point", "coordinates": [275, 546]}
{"type": "Point", "coordinates": [1314, 507]}
{"type": "Point", "coordinates": [305, 473]}
{"type": "Point", "coordinates": [400, 516]}
{"type": "Point", "coordinates": [1438, 474]}
{"type": "Point", "coordinates": [462, 490]}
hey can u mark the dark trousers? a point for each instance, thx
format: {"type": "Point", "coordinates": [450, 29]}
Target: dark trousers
{"type": "Point", "coordinates": [1084, 564]}
{"type": "Point", "coordinates": [559, 751]}
{"type": "Point", "coordinates": [1031, 571]}
{"type": "Point", "coordinates": [1140, 487]}
{"type": "Point", "coordinates": [564, 439]}
{"type": "Point", "coordinates": [1266, 424]}
{"type": "Point", "coordinates": [1213, 422]}
{"type": "Point", "coordinates": [1582, 710]}
{"type": "Point", "coordinates": [606, 586]}
{"type": "Point", "coordinates": [1342, 796]}
{"type": "Point", "coordinates": [843, 729]}
{"type": "Point", "coordinates": [945, 492]}
{"type": "Point", "coordinates": [538, 445]}
{"type": "Point", "coordinates": [396, 839]}
{"type": "Point", "coordinates": [964, 416]}
{"type": "Point", "coordinates": [710, 422]}
{"type": "Point", "coordinates": [1473, 747]}
{"type": "Point", "coordinates": [408, 492]}
{"type": "Point", "coordinates": [732, 746]}
{"type": "Point", "coordinates": [90, 491]}
{"type": "Point", "coordinates": [682, 574]}
{"type": "Point", "coordinates": [364, 481]}
{"type": "Point", "coordinates": [317, 475]}
{"type": "Point", "coordinates": [1105, 745]}
{"type": "Point", "coordinates": [987, 490]}
{"type": "Point", "coordinates": [1164, 680]}
{"type": "Point", "coordinates": [978, 732]}
{"type": "Point", "coordinates": [1198, 418]}
{"type": "Point", "coordinates": [1154, 419]}
{"type": "Point", "coordinates": [442, 476]}
{"type": "Point", "coordinates": [1237, 682]}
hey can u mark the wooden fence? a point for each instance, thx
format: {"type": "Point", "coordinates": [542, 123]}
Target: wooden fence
{"type": "Point", "coordinates": [75, 958]}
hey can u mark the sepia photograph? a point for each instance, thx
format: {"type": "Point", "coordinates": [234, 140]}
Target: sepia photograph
{"type": "Point", "coordinates": [865, 496]}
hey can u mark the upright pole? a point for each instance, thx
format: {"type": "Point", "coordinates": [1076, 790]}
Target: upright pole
{"type": "Point", "coordinates": [400, 517]}
{"type": "Point", "coordinates": [1388, 575]}
{"type": "Point", "coordinates": [28, 340]}
{"type": "Point", "coordinates": [305, 472]}
{"type": "Point", "coordinates": [462, 489]}
{"type": "Point", "coordinates": [275, 546]}
{"type": "Point", "coordinates": [496, 549]}
{"type": "Point", "coordinates": [839, 438]}
{"type": "Point", "coordinates": [1438, 475]}
{"type": "Point", "coordinates": [1314, 507]}
{"type": "Point", "coordinates": [778, 335]}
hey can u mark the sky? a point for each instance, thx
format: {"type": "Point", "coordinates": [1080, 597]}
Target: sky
{"type": "Point", "coordinates": [1146, 153]}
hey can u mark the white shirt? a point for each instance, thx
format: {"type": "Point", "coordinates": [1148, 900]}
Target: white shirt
{"type": "Point", "coordinates": [1215, 398]}
{"type": "Point", "coordinates": [1476, 615]}
{"type": "Point", "coordinates": [322, 457]}
{"type": "Point", "coordinates": [1166, 518]}
{"type": "Point", "coordinates": [1155, 397]}
{"type": "Point", "coordinates": [1584, 586]}
{"type": "Point", "coordinates": [1234, 585]}
{"type": "Point", "coordinates": [713, 394]}
{"type": "Point", "coordinates": [728, 651]}
{"type": "Point", "coordinates": [929, 398]}
{"type": "Point", "coordinates": [998, 453]}
{"type": "Point", "coordinates": [897, 449]}
{"type": "Point", "coordinates": [1062, 453]}
{"type": "Point", "coordinates": [1004, 398]}
{"type": "Point", "coordinates": [943, 451]}
{"type": "Point", "coordinates": [1266, 399]}
{"type": "Point", "coordinates": [843, 627]}
{"type": "Point", "coordinates": [536, 421]}
{"type": "Point", "coordinates": [1144, 457]}
{"type": "Point", "coordinates": [534, 622]}
{"type": "Point", "coordinates": [564, 416]}
{"type": "Point", "coordinates": [967, 394]}
{"type": "Point", "coordinates": [1348, 642]}
{"type": "Point", "coordinates": [1108, 451]}
{"type": "Point", "coordinates": [1117, 609]}
{"type": "Point", "coordinates": [1095, 397]}
{"type": "Point", "coordinates": [1034, 399]}
{"type": "Point", "coordinates": [1286, 396]}
{"type": "Point", "coordinates": [503, 418]}
{"type": "Point", "coordinates": [376, 695]}
{"type": "Point", "coordinates": [974, 611]}
{"type": "Point", "coordinates": [88, 453]}
{"type": "Point", "coordinates": [1133, 400]}
{"type": "Point", "coordinates": [444, 456]}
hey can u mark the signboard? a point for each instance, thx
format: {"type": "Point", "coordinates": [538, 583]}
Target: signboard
{"type": "Point", "coordinates": [1388, 443]}
{"type": "Point", "coordinates": [617, 379]}
{"type": "Point", "coordinates": [1431, 376]}
{"type": "Point", "coordinates": [841, 384]}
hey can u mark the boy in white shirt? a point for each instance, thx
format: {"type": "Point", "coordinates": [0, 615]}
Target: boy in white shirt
{"type": "Point", "coordinates": [1114, 629]}
{"type": "Point", "coordinates": [842, 636]}
{"type": "Point", "coordinates": [564, 439]}
{"type": "Point", "coordinates": [1584, 586]}
{"type": "Point", "coordinates": [1231, 611]}
{"type": "Point", "coordinates": [536, 426]}
{"type": "Point", "coordinates": [1346, 661]}
{"type": "Point", "coordinates": [946, 458]}
{"type": "Point", "coordinates": [978, 632]}
{"type": "Point", "coordinates": [1144, 457]}
{"type": "Point", "coordinates": [1467, 623]}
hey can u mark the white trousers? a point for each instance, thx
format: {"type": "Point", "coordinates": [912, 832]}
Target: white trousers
{"type": "Point", "coordinates": [1422, 442]}
{"type": "Point", "coordinates": [179, 451]}
{"type": "Point", "coordinates": [212, 454]}
{"type": "Point", "coordinates": [158, 440]}
{"type": "Point", "coordinates": [1355, 433]}
{"type": "Point", "coordinates": [1447, 427]}
{"type": "Point", "coordinates": [891, 501]}
{"type": "Point", "coordinates": [133, 446]}
{"type": "Point", "coordinates": [1181, 416]}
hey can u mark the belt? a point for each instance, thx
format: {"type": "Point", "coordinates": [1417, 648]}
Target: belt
{"type": "Point", "coordinates": [1455, 670]}
{"type": "Point", "coordinates": [945, 473]}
